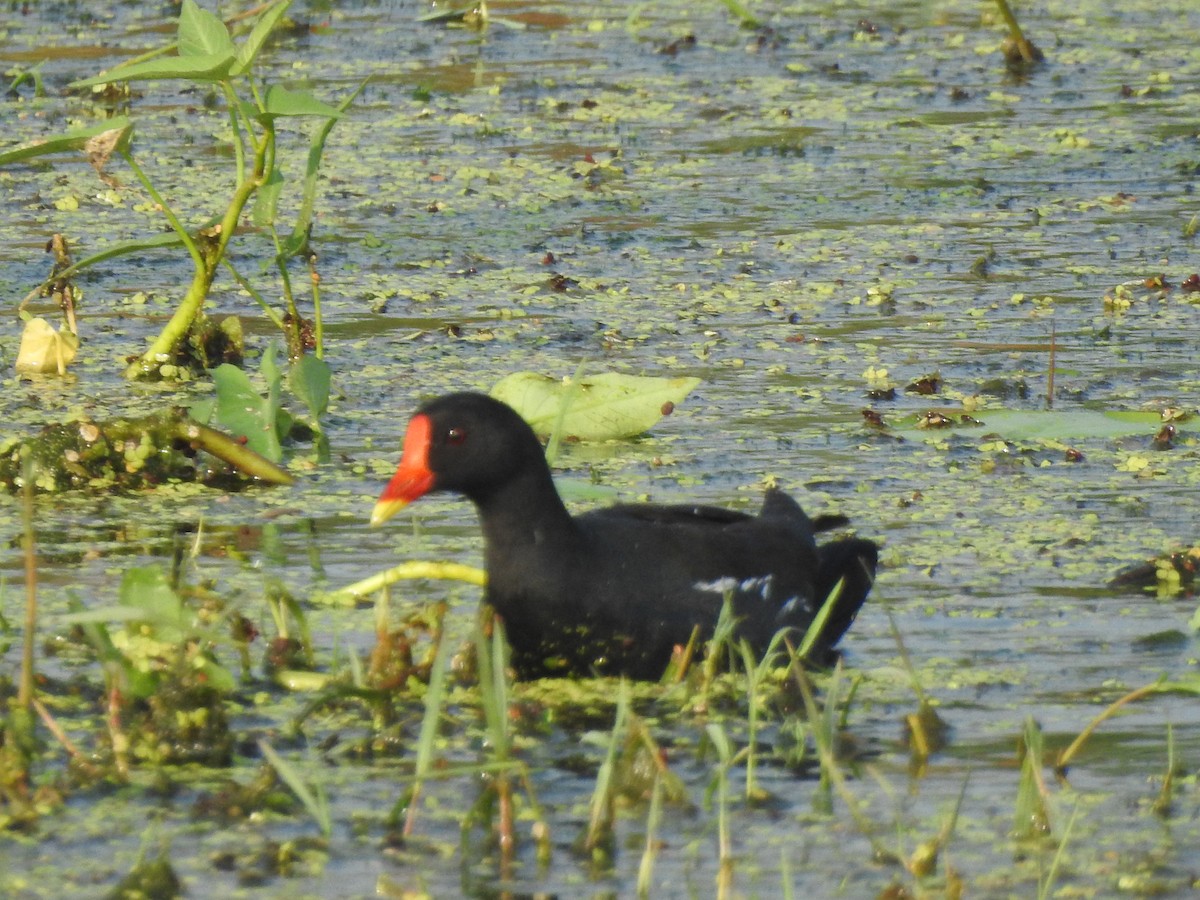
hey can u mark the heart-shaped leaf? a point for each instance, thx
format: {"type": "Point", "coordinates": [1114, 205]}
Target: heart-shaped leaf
{"type": "Point", "coordinates": [243, 412]}
{"type": "Point", "coordinates": [201, 33]}
{"type": "Point", "coordinates": [595, 407]}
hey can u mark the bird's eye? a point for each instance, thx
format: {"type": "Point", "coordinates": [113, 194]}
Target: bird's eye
{"type": "Point", "coordinates": [456, 436]}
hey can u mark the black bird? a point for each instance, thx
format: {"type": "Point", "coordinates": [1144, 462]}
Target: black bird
{"type": "Point", "coordinates": [613, 591]}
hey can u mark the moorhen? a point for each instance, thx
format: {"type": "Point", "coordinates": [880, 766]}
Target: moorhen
{"type": "Point", "coordinates": [614, 590]}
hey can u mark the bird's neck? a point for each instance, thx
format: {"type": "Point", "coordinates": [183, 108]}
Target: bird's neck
{"type": "Point", "coordinates": [524, 512]}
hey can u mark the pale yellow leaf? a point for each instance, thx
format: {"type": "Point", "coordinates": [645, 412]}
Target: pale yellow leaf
{"type": "Point", "coordinates": [45, 349]}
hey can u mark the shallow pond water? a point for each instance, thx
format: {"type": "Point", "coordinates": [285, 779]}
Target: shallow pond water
{"type": "Point", "coordinates": [776, 212]}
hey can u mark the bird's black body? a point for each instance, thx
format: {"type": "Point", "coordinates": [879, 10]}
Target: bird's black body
{"type": "Point", "coordinates": [613, 590]}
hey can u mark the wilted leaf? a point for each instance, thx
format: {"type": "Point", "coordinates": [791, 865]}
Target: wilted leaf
{"type": "Point", "coordinates": [101, 147]}
{"type": "Point", "coordinates": [597, 407]}
{"type": "Point", "coordinates": [45, 349]}
{"type": "Point", "coordinates": [75, 140]}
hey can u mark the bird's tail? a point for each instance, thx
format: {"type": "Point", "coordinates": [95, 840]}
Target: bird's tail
{"type": "Point", "coordinates": [851, 561]}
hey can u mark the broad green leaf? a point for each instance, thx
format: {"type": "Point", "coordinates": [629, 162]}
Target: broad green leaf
{"type": "Point", "coordinates": [201, 33]}
{"type": "Point", "coordinates": [282, 102]}
{"type": "Point", "coordinates": [146, 588]}
{"type": "Point", "coordinates": [597, 407]}
{"type": "Point", "coordinates": [309, 379]}
{"type": "Point", "coordinates": [1051, 424]}
{"type": "Point", "coordinates": [244, 413]}
{"type": "Point", "coordinates": [74, 140]}
{"type": "Point", "coordinates": [206, 67]}
{"type": "Point", "coordinates": [263, 26]}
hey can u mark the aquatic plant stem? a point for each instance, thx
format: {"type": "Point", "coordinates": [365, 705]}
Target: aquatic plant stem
{"type": "Point", "coordinates": [29, 548]}
{"type": "Point", "coordinates": [206, 261]}
{"type": "Point", "coordinates": [17, 744]}
{"type": "Point", "coordinates": [313, 797]}
{"type": "Point", "coordinates": [720, 742]}
{"type": "Point", "coordinates": [906, 661]}
{"type": "Point", "coordinates": [1028, 53]}
{"type": "Point", "coordinates": [268, 310]}
{"type": "Point", "coordinates": [353, 593]}
{"type": "Point", "coordinates": [239, 149]}
{"type": "Point", "coordinates": [318, 322]}
{"type": "Point", "coordinates": [429, 728]}
{"type": "Point", "coordinates": [160, 201]}
{"type": "Point", "coordinates": [599, 837]}
{"type": "Point", "coordinates": [116, 734]}
{"type": "Point", "coordinates": [817, 627]}
{"type": "Point", "coordinates": [1050, 372]}
{"type": "Point", "coordinates": [493, 695]}
{"type": "Point", "coordinates": [61, 736]}
{"type": "Point", "coordinates": [825, 749]}
{"type": "Point", "coordinates": [292, 322]}
{"type": "Point", "coordinates": [1065, 757]}
{"type": "Point", "coordinates": [1045, 886]}
{"type": "Point", "coordinates": [555, 440]}
{"type": "Point", "coordinates": [1162, 803]}
{"type": "Point", "coordinates": [653, 820]}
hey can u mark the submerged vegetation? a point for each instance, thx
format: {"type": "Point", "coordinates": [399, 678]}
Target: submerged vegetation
{"type": "Point", "coordinates": [942, 278]}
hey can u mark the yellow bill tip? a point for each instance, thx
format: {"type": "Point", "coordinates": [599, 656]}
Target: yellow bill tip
{"type": "Point", "coordinates": [385, 509]}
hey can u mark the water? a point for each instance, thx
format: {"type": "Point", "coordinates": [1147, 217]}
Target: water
{"type": "Point", "coordinates": [774, 213]}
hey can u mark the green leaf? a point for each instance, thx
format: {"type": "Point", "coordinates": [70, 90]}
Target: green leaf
{"type": "Point", "coordinates": [202, 410]}
{"type": "Point", "coordinates": [598, 407]}
{"type": "Point", "coordinates": [309, 379]}
{"type": "Point", "coordinates": [123, 248]}
{"type": "Point", "coordinates": [442, 16]}
{"type": "Point", "coordinates": [299, 236]}
{"type": "Point", "coordinates": [146, 588]}
{"type": "Point", "coordinates": [273, 376]}
{"type": "Point", "coordinates": [74, 140]}
{"type": "Point", "coordinates": [1049, 424]}
{"type": "Point", "coordinates": [746, 19]}
{"type": "Point", "coordinates": [243, 412]}
{"type": "Point", "coordinates": [201, 33]}
{"type": "Point", "coordinates": [282, 102]}
{"type": "Point", "coordinates": [263, 26]}
{"type": "Point", "coordinates": [266, 199]}
{"type": "Point", "coordinates": [217, 676]}
{"type": "Point", "coordinates": [205, 67]}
